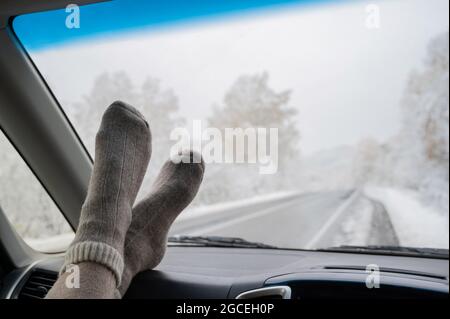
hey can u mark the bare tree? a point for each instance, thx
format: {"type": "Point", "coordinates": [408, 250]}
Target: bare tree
{"type": "Point", "coordinates": [159, 106]}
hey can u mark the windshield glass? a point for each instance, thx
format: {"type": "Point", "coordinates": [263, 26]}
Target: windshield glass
{"type": "Point", "coordinates": [322, 123]}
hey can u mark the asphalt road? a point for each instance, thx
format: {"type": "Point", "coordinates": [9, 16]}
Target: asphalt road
{"type": "Point", "coordinates": [303, 221]}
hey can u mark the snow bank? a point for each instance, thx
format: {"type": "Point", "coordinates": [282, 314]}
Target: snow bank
{"type": "Point", "coordinates": [416, 225]}
{"type": "Point", "coordinates": [232, 205]}
{"type": "Point", "coordinates": [355, 228]}
{"type": "Point", "coordinates": [59, 243]}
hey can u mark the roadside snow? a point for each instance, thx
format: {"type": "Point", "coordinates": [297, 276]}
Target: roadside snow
{"type": "Point", "coordinates": [231, 205]}
{"type": "Point", "coordinates": [355, 228]}
{"type": "Point", "coordinates": [59, 243]}
{"type": "Point", "coordinates": [416, 225]}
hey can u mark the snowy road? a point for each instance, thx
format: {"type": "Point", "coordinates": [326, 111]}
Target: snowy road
{"type": "Point", "coordinates": [292, 220]}
{"type": "Point", "coordinates": [303, 221]}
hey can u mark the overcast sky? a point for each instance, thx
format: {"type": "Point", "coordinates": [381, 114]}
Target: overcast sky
{"type": "Point", "coordinates": [346, 79]}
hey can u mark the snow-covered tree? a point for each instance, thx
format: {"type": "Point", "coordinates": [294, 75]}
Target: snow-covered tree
{"type": "Point", "coordinates": [159, 106]}
{"type": "Point", "coordinates": [366, 162]}
{"type": "Point", "coordinates": [252, 103]}
{"type": "Point", "coordinates": [421, 151]}
{"type": "Point", "coordinates": [24, 200]}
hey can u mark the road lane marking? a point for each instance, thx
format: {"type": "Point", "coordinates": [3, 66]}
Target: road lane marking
{"type": "Point", "coordinates": [312, 244]}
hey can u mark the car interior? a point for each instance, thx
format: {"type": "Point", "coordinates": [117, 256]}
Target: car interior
{"type": "Point", "coordinates": [33, 121]}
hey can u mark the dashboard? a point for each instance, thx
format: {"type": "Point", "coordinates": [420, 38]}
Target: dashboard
{"type": "Point", "coordinates": [229, 273]}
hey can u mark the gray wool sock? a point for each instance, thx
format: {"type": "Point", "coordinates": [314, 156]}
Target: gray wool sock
{"type": "Point", "coordinates": [122, 153]}
{"type": "Point", "coordinates": [174, 188]}
{"type": "Point", "coordinates": [95, 282]}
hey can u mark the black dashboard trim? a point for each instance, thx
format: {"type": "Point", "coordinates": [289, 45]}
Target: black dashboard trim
{"type": "Point", "coordinates": [224, 273]}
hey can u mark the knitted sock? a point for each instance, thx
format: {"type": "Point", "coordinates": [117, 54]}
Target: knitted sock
{"type": "Point", "coordinates": [95, 282]}
{"type": "Point", "coordinates": [122, 153]}
{"type": "Point", "coordinates": [174, 188]}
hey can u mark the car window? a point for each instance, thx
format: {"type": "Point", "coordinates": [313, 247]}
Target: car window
{"type": "Point", "coordinates": [322, 123]}
{"type": "Point", "coordinates": [28, 206]}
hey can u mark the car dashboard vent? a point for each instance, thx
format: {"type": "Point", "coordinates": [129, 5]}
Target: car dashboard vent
{"type": "Point", "coordinates": [38, 285]}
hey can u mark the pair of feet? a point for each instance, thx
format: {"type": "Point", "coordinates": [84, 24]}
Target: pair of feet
{"type": "Point", "coordinates": [113, 231]}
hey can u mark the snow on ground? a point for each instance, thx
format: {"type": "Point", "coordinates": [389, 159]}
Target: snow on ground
{"type": "Point", "coordinates": [355, 228]}
{"type": "Point", "coordinates": [416, 225]}
{"type": "Point", "coordinates": [231, 205]}
{"type": "Point", "coordinates": [59, 243]}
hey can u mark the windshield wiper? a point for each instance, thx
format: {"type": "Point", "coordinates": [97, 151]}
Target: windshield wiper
{"type": "Point", "coordinates": [217, 241]}
{"type": "Point", "coordinates": [392, 250]}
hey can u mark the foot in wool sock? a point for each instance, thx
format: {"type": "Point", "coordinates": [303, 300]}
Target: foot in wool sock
{"type": "Point", "coordinates": [122, 153]}
{"type": "Point", "coordinates": [174, 188]}
{"type": "Point", "coordinates": [95, 282]}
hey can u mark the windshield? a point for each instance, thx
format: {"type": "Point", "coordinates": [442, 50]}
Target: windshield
{"type": "Point", "coordinates": [322, 123]}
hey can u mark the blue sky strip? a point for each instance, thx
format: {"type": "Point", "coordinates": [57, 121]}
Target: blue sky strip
{"type": "Point", "coordinates": [45, 29]}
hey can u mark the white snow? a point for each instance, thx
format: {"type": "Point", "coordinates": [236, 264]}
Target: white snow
{"type": "Point", "coordinates": [398, 140]}
{"type": "Point", "coordinates": [355, 228]}
{"type": "Point", "coordinates": [416, 225]}
{"type": "Point", "coordinates": [232, 205]}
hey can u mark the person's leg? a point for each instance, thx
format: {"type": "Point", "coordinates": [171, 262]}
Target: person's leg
{"type": "Point", "coordinates": [122, 153]}
{"type": "Point", "coordinates": [95, 282]}
{"type": "Point", "coordinates": [174, 188]}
